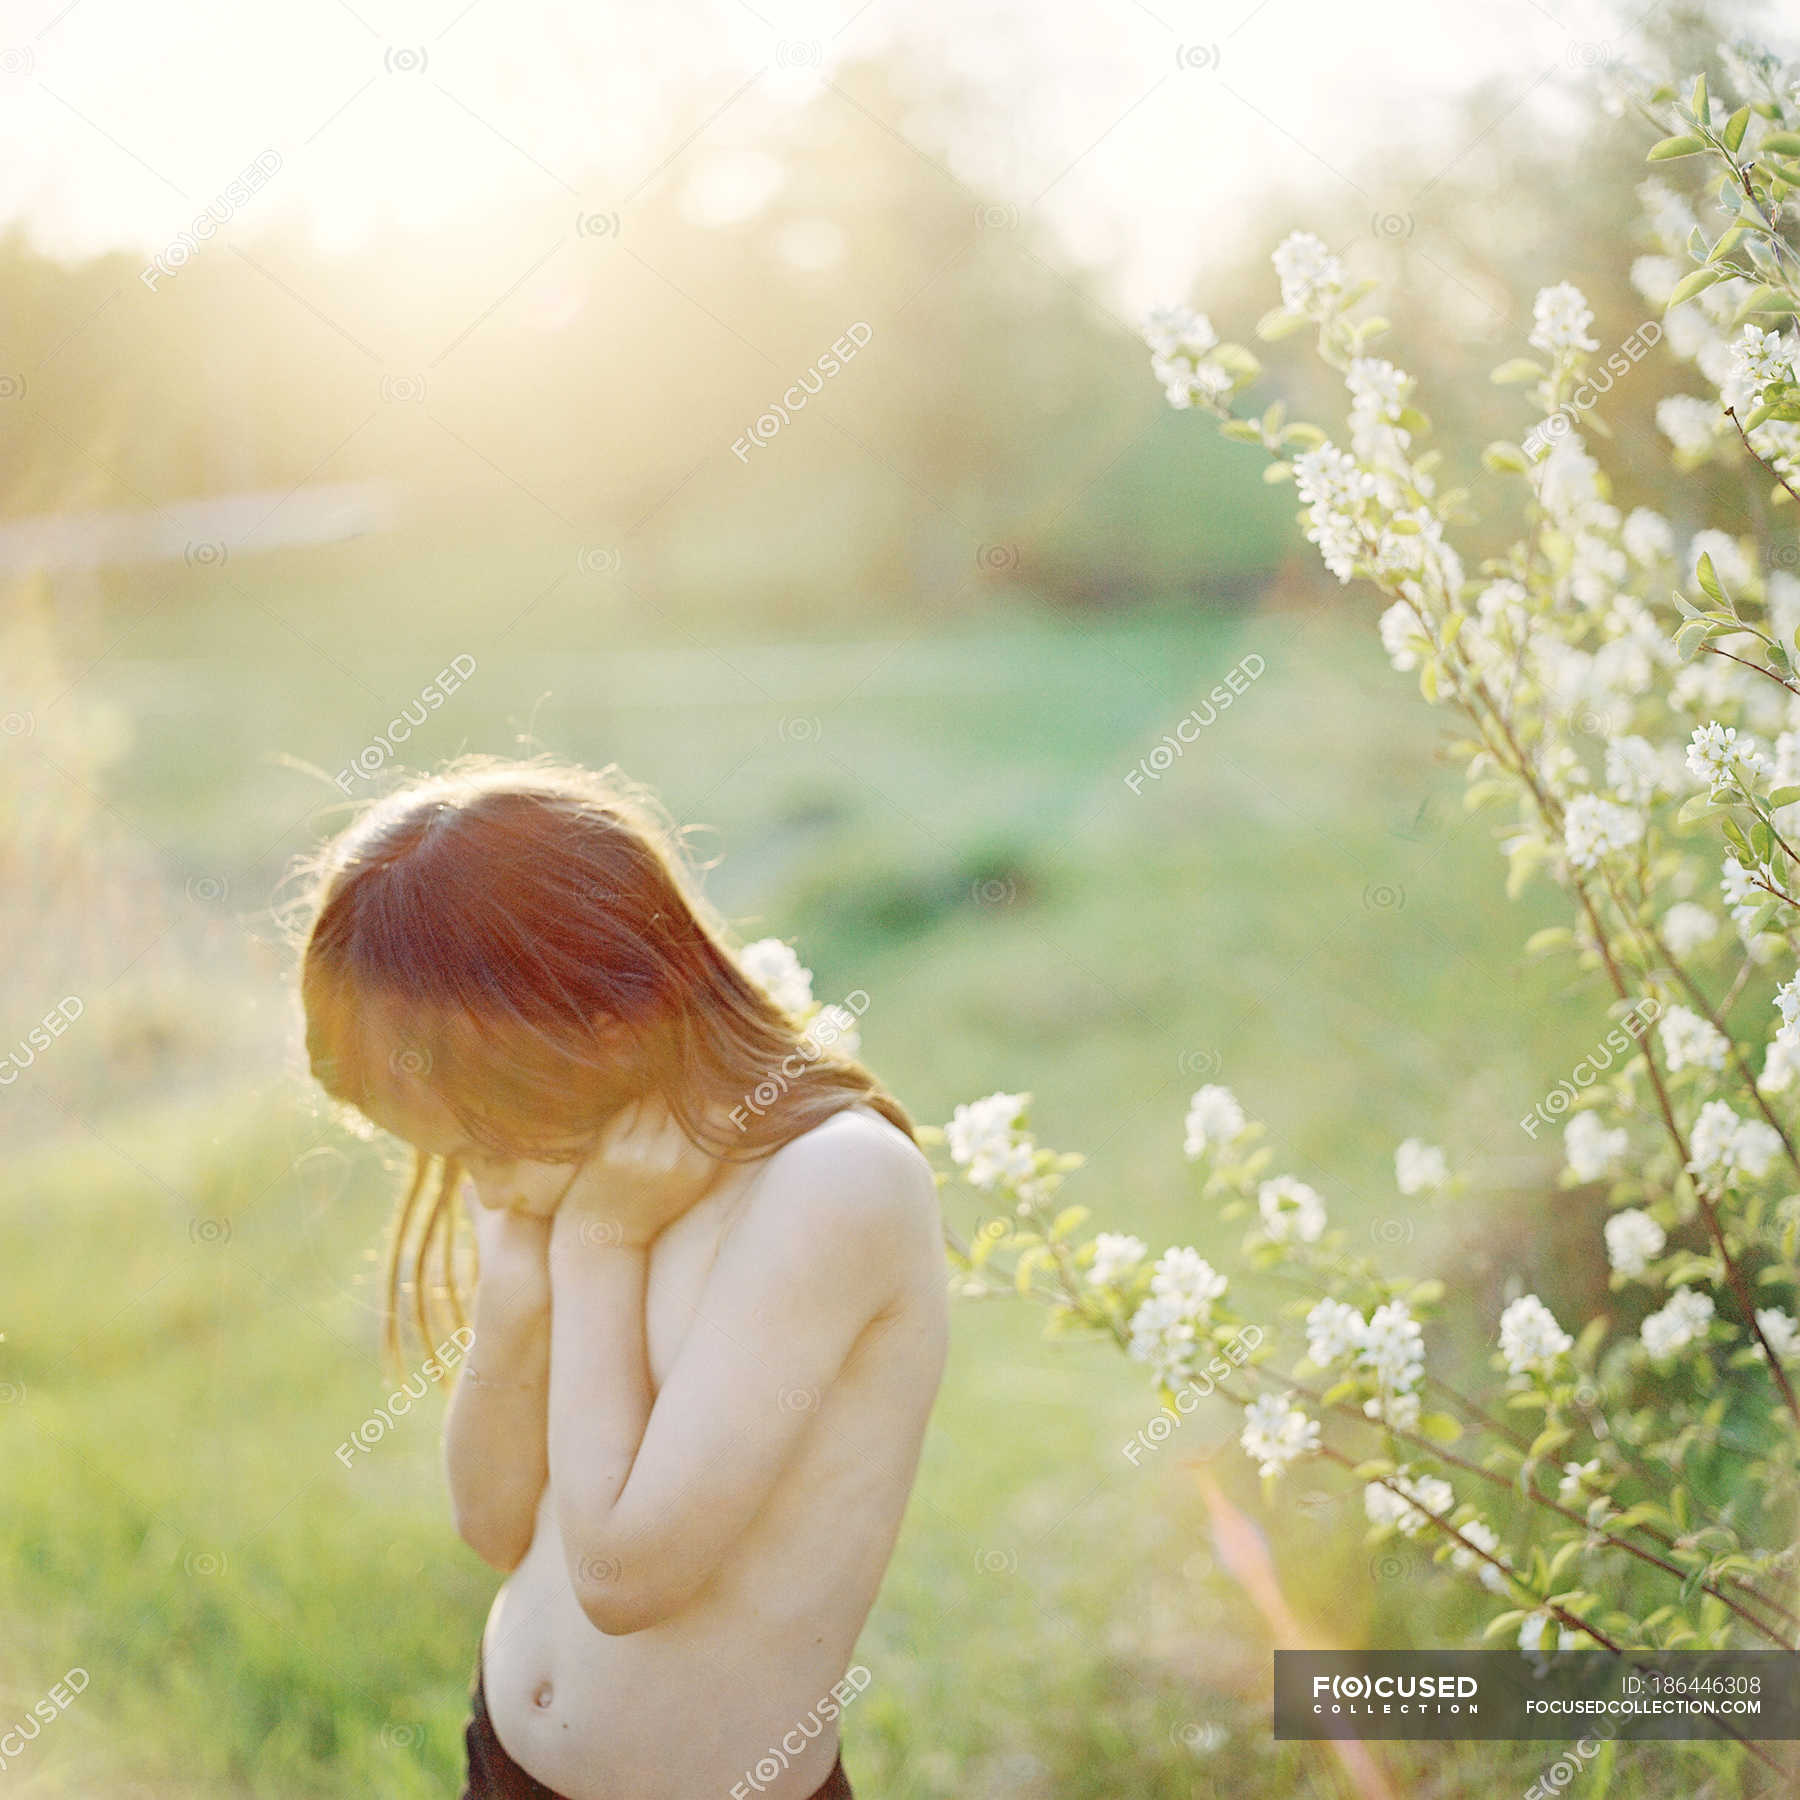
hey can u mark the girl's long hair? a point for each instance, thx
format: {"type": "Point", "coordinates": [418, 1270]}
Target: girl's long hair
{"type": "Point", "coordinates": [489, 931]}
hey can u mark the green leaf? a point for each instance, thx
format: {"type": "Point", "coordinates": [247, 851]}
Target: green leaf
{"type": "Point", "coordinates": [1728, 242]}
{"type": "Point", "coordinates": [1551, 1438]}
{"type": "Point", "coordinates": [1552, 937]}
{"type": "Point", "coordinates": [1695, 809]}
{"type": "Point", "coordinates": [1695, 283]}
{"type": "Point", "coordinates": [1502, 458]}
{"type": "Point", "coordinates": [1782, 143]}
{"type": "Point", "coordinates": [1709, 579]}
{"type": "Point", "coordinates": [1735, 127]}
{"type": "Point", "coordinates": [1671, 147]}
{"type": "Point", "coordinates": [1278, 472]}
{"type": "Point", "coordinates": [1440, 1426]}
{"type": "Point", "coordinates": [1066, 1221]}
{"type": "Point", "coordinates": [1521, 368]}
{"type": "Point", "coordinates": [1697, 99]}
{"type": "Point", "coordinates": [1782, 796]}
{"type": "Point", "coordinates": [1690, 637]}
{"type": "Point", "coordinates": [1279, 324]}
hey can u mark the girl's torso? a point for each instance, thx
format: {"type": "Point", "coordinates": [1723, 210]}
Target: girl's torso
{"type": "Point", "coordinates": [693, 1705]}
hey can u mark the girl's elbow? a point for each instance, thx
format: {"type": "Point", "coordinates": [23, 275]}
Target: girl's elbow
{"type": "Point", "coordinates": [500, 1543]}
{"type": "Point", "coordinates": [617, 1604]}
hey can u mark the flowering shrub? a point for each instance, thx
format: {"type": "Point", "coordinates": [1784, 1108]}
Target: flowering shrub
{"type": "Point", "coordinates": [1583, 1492]}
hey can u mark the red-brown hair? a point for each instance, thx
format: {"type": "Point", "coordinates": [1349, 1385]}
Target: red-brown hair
{"type": "Point", "coordinates": [497, 931]}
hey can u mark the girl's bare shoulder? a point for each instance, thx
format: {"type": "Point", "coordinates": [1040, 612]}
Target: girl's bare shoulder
{"type": "Point", "coordinates": [855, 1186]}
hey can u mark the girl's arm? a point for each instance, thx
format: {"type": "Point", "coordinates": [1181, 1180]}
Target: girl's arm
{"type": "Point", "coordinates": [494, 1437]}
{"type": "Point", "coordinates": [650, 1499]}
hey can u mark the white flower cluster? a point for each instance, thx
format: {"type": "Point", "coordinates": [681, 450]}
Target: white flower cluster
{"type": "Point", "coordinates": [1530, 1338]}
{"type": "Point", "coordinates": [1691, 1042]}
{"type": "Point", "coordinates": [1723, 1146]}
{"type": "Point", "coordinates": [988, 1143]}
{"type": "Point", "coordinates": [1214, 1121]}
{"type": "Point", "coordinates": [1389, 1344]}
{"type": "Point", "coordinates": [1166, 1328]}
{"type": "Point", "coordinates": [1180, 340]}
{"type": "Point", "coordinates": [1592, 1150]}
{"type": "Point", "coordinates": [1683, 1320]}
{"type": "Point", "coordinates": [1116, 1255]}
{"type": "Point", "coordinates": [1407, 1511]}
{"type": "Point", "coordinates": [1420, 1168]}
{"type": "Point", "coordinates": [1560, 319]}
{"type": "Point", "coordinates": [1594, 828]}
{"type": "Point", "coordinates": [1312, 279]}
{"type": "Point", "coordinates": [1718, 756]}
{"type": "Point", "coordinates": [1276, 1432]}
{"type": "Point", "coordinates": [1633, 1240]}
{"type": "Point", "coordinates": [774, 967]}
{"type": "Point", "coordinates": [1291, 1211]}
{"type": "Point", "coordinates": [778, 971]}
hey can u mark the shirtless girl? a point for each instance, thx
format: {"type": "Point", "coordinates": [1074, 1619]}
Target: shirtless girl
{"type": "Point", "coordinates": [708, 1325]}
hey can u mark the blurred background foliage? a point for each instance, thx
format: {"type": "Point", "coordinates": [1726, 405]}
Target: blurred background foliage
{"type": "Point", "coordinates": [899, 660]}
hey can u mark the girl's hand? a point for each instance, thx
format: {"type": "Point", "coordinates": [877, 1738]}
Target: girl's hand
{"type": "Point", "coordinates": [641, 1176]}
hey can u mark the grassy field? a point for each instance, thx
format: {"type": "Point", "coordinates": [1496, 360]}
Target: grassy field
{"type": "Point", "coordinates": [1299, 907]}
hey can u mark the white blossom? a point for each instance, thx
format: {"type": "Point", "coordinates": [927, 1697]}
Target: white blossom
{"type": "Point", "coordinates": [1781, 1063]}
{"type": "Point", "coordinates": [1684, 1319]}
{"type": "Point", "coordinates": [1689, 424]}
{"type": "Point", "coordinates": [1762, 356]}
{"type": "Point", "coordinates": [1690, 1042]}
{"type": "Point", "coordinates": [1334, 1330]}
{"type": "Point", "coordinates": [1530, 1337]}
{"type": "Point", "coordinates": [1561, 317]}
{"type": "Point", "coordinates": [1531, 1634]}
{"type": "Point", "coordinates": [1787, 1003]}
{"type": "Point", "coordinates": [1383, 1506]}
{"type": "Point", "coordinates": [1781, 1331]}
{"type": "Point", "coordinates": [1484, 1537]}
{"type": "Point", "coordinates": [1593, 828]}
{"type": "Point", "coordinates": [1276, 1432]}
{"type": "Point", "coordinates": [1648, 537]}
{"type": "Point", "coordinates": [1402, 634]}
{"type": "Point", "coordinates": [1723, 1145]}
{"type": "Point", "coordinates": [774, 967]}
{"type": "Point", "coordinates": [1312, 279]}
{"type": "Point", "coordinates": [1393, 1346]}
{"type": "Point", "coordinates": [1184, 1278]}
{"type": "Point", "coordinates": [1115, 1256]}
{"type": "Point", "coordinates": [986, 1141]}
{"type": "Point", "coordinates": [1686, 926]}
{"type": "Point", "coordinates": [1743, 898]}
{"type": "Point", "coordinates": [1591, 1150]}
{"type": "Point", "coordinates": [1718, 753]}
{"type": "Point", "coordinates": [1163, 1334]}
{"type": "Point", "coordinates": [1419, 1168]}
{"type": "Point", "coordinates": [1633, 1240]}
{"type": "Point", "coordinates": [1571, 1486]}
{"type": "Point", "coordinates": [1656, 277]}
{"type": "Point", "coordinates": [1291, 1210]}
{"type": "Point", "coordinates": [1170, 330]}
{"type": "Point", "coordinates": [1214, 1119]}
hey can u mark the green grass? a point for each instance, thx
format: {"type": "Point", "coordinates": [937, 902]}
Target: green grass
{"type": "Point", "coordinates": [1300, 908]}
